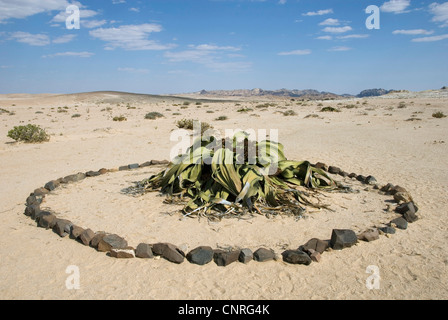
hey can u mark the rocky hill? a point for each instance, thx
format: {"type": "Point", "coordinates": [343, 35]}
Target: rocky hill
{"type": "Point", "coordinates": [303, 94]}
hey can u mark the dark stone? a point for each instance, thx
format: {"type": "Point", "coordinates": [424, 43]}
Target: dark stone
{"type": "Point", "coordinates": [343, 174]}
{"type": "Point", "coordinates": [144, 251]}
{"type": "Point", "coordinates": [75, 177]}
{"type": "Point", "coordinates": [97, 238]}
{"type": "Point", "coordinates": [315, 244]}
{"type": "Point", "coordinates": [246, 255]}
{"type": "Point", "coordinates": [387, 187]}
{"type": "Point", "coordinates": [400, 222]}
{"type": "Point", "coordinates": [201, 255]}
{"type": "Point", "coordinates": [41, 192]}
{"type": "Point", "coordinates": [361, 178]}
{"type": "Point", "coordinates": [50, 186]}
{"type": "Point", "coordinates": [47, 220]}
{"type": "Point", "coordinates": [103, 171]}
{"type": "Point", "coordinates": [334, 170]}
{"type": "Point", "coordinates": [387, 229]}
{"type": "Point", "coordinates": [296, 257]}
{"type": "Point", "coordinates": [75, 232]}
{"type": "Point", "coordinates": [146, 164]}
{"type": "Point", "coordinates": [224, 258]}
{"type": "Point", "coordinates": [395, 189]}
{"type": "Point", "coordinates": [408, 206]}
{"type": "Point", "coordinates": [39, 214]}
{"type": "Point", "coordinates": [86, 236]}
{"type": "Point", "coordinates": [408, 210]}
{"type": "Point", "coordinates": [111, 241]}
{"type": "Point", "coordinates": [369, 235]}
{"type": "Point", "coordinates": [159, 162]}
{"type": "Point", "coordinates": [32, 199]}
{"type": "Point", "coordinates": [341, 239]}
{"type": "Point", "coordinates": [133, 166]}
{"type": "Point", "coordinates": [352, 175]}
{"type": "Point", "coordinates": [126, 253]}
{"type": "Point", "coordinates": [263, 254]}
{"type": "Point", "coordinates": [321, 166]}
{"type": "Point", "coordinates": [169, 252]}
{"type": "Point", "coordinates": [371, 180]}
{"type": "Point", "coordinates": [123, 168]}
{"type": "Point", "coordinates": [32, 211]}
{"type": "Point", "coordinates": [62, 227]}
{"type": "Point", "coordinates": [92, 174]}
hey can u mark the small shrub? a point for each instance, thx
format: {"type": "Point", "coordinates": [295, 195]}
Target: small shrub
{"type": "Point", "coordinates": [198, 103]}
{"type": "Point", "coordinates": [438, 115]}
{"type": "Point", "coordinates": [289, 113]}
{"type": "Point", "coordinates": [186, 103]}
{"type": "Point", "coordinates": [76, 115]}
{"type": "Point", "coordinates": [120, 118]}
{"type": "Point", "coordinates": [30, 134]}
{"type": "Point", "coordinates": [221, 118]}
{"type": "Point", "coordinates": [153, 115]}
{"type": "Point", "coordinates": [189, 124]}
{"type": "Point", "coordinates": [320, 104]}
{"type": "Point", "coordinates": [350, 106]}
{"type": "Point", "coordinates": [329, 109]}
{"type": "Point", "coordinates": [245, 109]}
{"type": "Point", "coordinates": [312, 116]}
{"type": "Point", "coordinates": [402, 105]}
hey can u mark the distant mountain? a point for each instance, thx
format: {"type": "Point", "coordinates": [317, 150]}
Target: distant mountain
{"type": "Point", "coordinates": [373, 93]}
{"type": "Point", "coordinates": [304, 94]}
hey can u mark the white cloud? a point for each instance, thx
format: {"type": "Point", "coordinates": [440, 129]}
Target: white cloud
{"type": "Point", "coordinates": [64, 39]}
{"type": "Point", "coordinates": [13, 9]}
{"type": "Point", "coordinates": [134, 9]}
{"type": "Point", "coordinates": [431, 39]}
{"type": "Point", "coordinates": [295, 53]}
{"type": "Point", "coordinates": [282, 1]}
{"type": "Point", "coordinates": [330, 22]}
{"type": "Point", "coordinates": [318, 13]}
{"type": "Point", "coordinates": [118, 1]}
{"type": "Point", "coordinates": [413, 32]}
{"type": "Point", "coordinates": [340, 49]}
{"type": "Point", "coordinates": [354, 36]}
{"type": "Point", "coordinates": [395, 6]}
{"type": "Point", "coordinates": [440, 12]}
{"type": "Point", "coordinates": [337, 29]}
{"type": "Point", "coordinates": [134, 70]}
{"type": "Point", "coordinates": [83, 54]}
{"type": "Point", "coordinates": [31, 39]}
{"type": "Point", "coordinates": [214, 47]}
{"type": "Point", "coordinates": [130, 37]}
{"type": "Point", "coordinates": [83, 14]}
{"type": "Point", "coordinates": [211, 56]}
{"type": "Point", "coordinates": [90, 24]}
{"type": "Point", "coordinates": [325, 38]}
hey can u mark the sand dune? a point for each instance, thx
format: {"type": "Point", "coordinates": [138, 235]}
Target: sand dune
{"type": "Point", "coordinates": [395, 139]}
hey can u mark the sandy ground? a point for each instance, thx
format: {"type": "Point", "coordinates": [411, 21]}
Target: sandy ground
{"type": "Point", "coordinates": [402, 144]}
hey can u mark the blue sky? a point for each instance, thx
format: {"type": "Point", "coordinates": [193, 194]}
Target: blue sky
{"type": "Point", "coordinates": [175, 46]}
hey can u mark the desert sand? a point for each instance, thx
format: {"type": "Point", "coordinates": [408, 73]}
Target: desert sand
{"type": "Point", "coordinates": [394, 138]}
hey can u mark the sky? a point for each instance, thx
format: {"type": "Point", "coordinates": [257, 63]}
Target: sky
{"type": "Point", "coordinates": [180, 46]}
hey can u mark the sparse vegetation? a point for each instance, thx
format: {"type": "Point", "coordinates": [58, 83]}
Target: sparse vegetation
{"type": "Point", "coordinates": [329, 109]}
{"type": "Point", "coordinates": [265, 105]}
{"type": "Point", "coordinates": [312, 116]}
{"type": "Point", "coordinates": [350, 106]}
{"type": "Point", "coordinates": [289, 113]}
{"type": "Point", "coordinates": [438, 115]}
{"type": "Point", "coordinates": [245, 109]}
{"type": "Point", "coordinates": [76, 115]}
{"type": "Point", "coordinates": [153, 115]}
{"type": "Point", "coordinates": [221, 118]}
{"type": "Point", "coordinates": [30, 134]}
{"type": "Point", "coordinates": [120, 118]}
{"type": "Point", "coordinates": [402, 105]}
{"type": "Point", "coordinates": [190, 124]}
{"type": "Point", "coordinates": [186, 103]}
